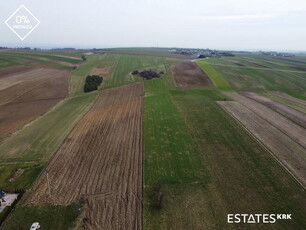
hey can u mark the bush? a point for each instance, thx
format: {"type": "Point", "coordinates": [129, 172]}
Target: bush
{"type": "Point", "coordinates": [92, 83]}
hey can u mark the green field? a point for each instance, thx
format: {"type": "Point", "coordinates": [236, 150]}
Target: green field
{"type": "Point", "coordinates": [257, 75]}
{"type": "Point", "coordinates": [216, 78]}
{"type": "Point", "coordinates": [231, 171]}
{"type": "Point", "coordinates": [121, 66]}
{"type": "Point", "coordinates": [50, 217]}
{"type": "Point", "coordinates": [243, 175]}
{"type": "Point", "coordinates": [24, 181]}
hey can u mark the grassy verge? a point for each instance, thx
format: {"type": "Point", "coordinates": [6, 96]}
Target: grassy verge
{"type": "Point", "coordinates": [216, 78]}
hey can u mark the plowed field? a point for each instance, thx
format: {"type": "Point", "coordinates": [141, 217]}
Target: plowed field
{"type": "Point", "coordinates": [189, 74]}
{"type": "Point", "coordinates": [101, 162]}
{"type": "Point", "coordinates": [26, 96]}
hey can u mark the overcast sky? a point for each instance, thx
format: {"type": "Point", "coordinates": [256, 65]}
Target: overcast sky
{"type": "Point", "coordinates": [216, 24]}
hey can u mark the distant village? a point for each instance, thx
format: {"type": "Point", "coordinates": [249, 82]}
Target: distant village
{"type": "Point", "coordinates": [202, 53]}
{"type": "Point", "coordinates": [276, 54]}
{"type": "Point", "coordinates": [193, 53]}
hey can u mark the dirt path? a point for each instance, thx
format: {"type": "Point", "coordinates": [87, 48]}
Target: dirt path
{"type": "Point", "coordinates": [292, 114]}
{"type": "Point", "coordinates": [284, 149]}
{"type": "Point", "coordinates": [101, 162]}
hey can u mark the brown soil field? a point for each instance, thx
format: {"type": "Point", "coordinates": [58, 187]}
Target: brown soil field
{"type": "Point", "coordinates": [9, 80]}
{"type": "Point", "coordinates": [14, 86]}
{"type": "Point", "coordinates": [101, 71]}
{"type": "Point", "coordinates": [45, 59]}
{"type": "Point", "coordinates": [100, 162]}
{"type": "Point", "coordinates": [292, 114]}
{"type": "Point", "coordinates": [290, 154]}
{"type": "Point", "coordinates": [44, 53]}
{"type": "Point", "coordinates": [53, 61]}
{"type": "Point", "coordinates": [294, 131]}
{"type": "Point", "coordinates": [34, 94]}
{"type": "Point", "coordinates": [5, 72]}
{"type": "Point", "coordinates": [288, 97]}
{"type": "Point", "coordinates": [189, 74]}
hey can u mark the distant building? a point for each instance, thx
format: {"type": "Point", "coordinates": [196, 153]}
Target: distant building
{"type": "Point", "coordinates": [2, 198]}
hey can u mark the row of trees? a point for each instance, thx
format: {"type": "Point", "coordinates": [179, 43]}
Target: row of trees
{"type": "Point", "coordinates": [92, 83]}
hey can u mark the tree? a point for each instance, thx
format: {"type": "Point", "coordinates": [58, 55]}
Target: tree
{"type": "Point", "coordinates": [92, 83]}
{"type": "Point", "coordinates": [84, 58]}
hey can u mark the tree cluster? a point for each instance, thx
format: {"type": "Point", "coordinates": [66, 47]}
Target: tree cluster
{"type": "Point", "coordinates": [148, 74]}
{"type": "Point", "coordinates": [92, 83]}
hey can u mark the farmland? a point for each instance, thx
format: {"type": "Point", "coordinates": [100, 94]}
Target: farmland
{"type": "Point", "coordinates": [28, 95]}
{"type": "Point", "coordinates": [215, 184]}
{"type": "Point", "coordinates": [276, 75]}
{"type": "Point", "coordinates": [111, 130]}
{"type": "Point", "coordinates": [208, 138]}
{"type": "Point", "coordinates": [189, 74]}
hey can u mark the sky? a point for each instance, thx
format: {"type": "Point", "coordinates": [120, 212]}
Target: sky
{"type": "Point", "coordinates": [215, 24]}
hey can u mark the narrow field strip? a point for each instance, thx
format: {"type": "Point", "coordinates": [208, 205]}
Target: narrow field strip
{"type": "Point", "coordinates": [216, 78]}
{"type": "Point", "coordinates": [294, 115]}
{"type": "Point", "coordinates": [288, 97]}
